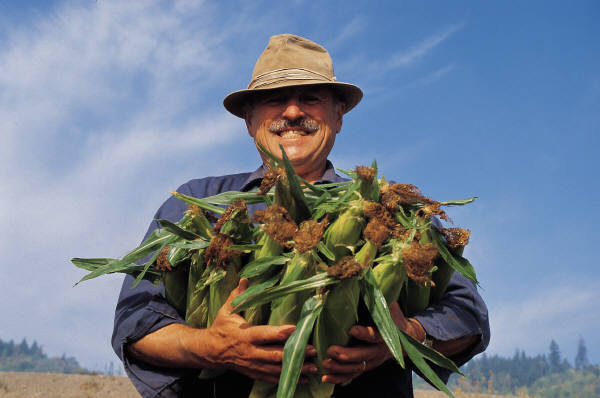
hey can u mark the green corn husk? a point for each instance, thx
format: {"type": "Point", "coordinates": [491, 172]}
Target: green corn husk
{"type": "Point", "coordinates": [344, 233]}
{"type": "Point", "coordinates": [390, 274]}
{"type": "Point", "coordinates": [340, 313]}
{"type": "Point", "coordinates": [175, 283]}
{"type": "Point", "coordinates": [269, 248]}
{"type": "Point", "coordinates": [197, 305]}
{"type": "Point", "coordinates": [220, 290]}
{"type": "Point", "coordinates": [286, 310]}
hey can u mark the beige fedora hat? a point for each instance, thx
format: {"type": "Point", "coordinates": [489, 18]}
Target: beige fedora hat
{"type": "Point", "coordinates": [288, 61]}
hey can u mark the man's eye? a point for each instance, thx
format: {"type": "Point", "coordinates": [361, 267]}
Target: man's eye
{"type": "Point", "coordinates": [311, 99]}
{"type": "Point", "coordinates": [273, 101]}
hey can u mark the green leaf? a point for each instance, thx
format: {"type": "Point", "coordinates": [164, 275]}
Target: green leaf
{"type": "Point", "coordinates": [295, 190]}
{"type": "Point", "coordinates": [432, 355]}
{"type": "Point", "coordinates": [269, 154]}
{"type": "Point", "coordinates": [417, 359]}
{"type": "Point", "coordinates": [215, 276]}
{"type": "Point", "coordinates": [198, 202]}
{"type": "Point", "coordinates": [458, 202]}
{"type": "Point", "coordinates": [325, 251]}
{"type": "Point", "coordinates": [460, 264]}
{"type": "Point", "coordinates": [259, 287]}
{"type": "Point", "coordinates": [295, 347]}
{"type": "Point", "coordinates": [191, 245]}
{"type": "Point", "coordinates": [90, 264]}
{"type": "Point", "coordinates": [350, 173]}
{"type": "Point", "coordinates": [244, 248]}
{"type": "Point", "coordinates": [268, 295]}
{"type": "Point", "coordinates": [157, 239]}
{"type": "Point", "coordinates": [262, 265]}
{"type": "Point", "coordinates": [177, 255]}
{"type": "Point", "coordinates": [177, 230]}
{"type": "Point", "coordinates": [377, 306]}
{"type": "Point", "coordinates": [228, 197]}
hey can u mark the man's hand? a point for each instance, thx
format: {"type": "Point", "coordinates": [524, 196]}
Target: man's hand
{"type": "Point", "coordinates": [230, 343]}
{"type": "Point", "coordinates": [256, 351]}
{"type": "Point", "coordinates": [347, 363]}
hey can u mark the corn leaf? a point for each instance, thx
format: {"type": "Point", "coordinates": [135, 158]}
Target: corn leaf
{"type": "Point", "coordinates": [460, 264]}
{"type": "Point", "coordinates": [90, 264]}
{"type": "Point", "coordinates": [268, 295]}
{"type": "Point", "coordinates": [147, 266]}
{"type": "Point", "coordinates": [177, 230]}
{"type": "Point", "coordinates": [295, 190]}
{"type": "Point", "coordinates": [177, 255]}
{"type": "Point", "coordinates": [253, 290]}
{"type": "Point", "coordinates": [350, 173]}
{"type": "Point", "coordinates": [228, 197]}
{"type": "Point", "coordinates": [432, 355]}
{"type": "Point", "coordinates": [377, 306]}
{"type": "Point", "coordinates": [262, 265]}
{"type": "Point", "coordinates": [458, 202]}
{"type": "Point", "coordinates": [274, 160]}
{"type": "Point", "coordinates": [157, 239]}
{"type": "Point", "coordinates": [244, 248]}
{"type": "Point", "coordinates": [215, 276]}
{"type": "Point", "coordinates": [190, 200]}
{"type": "Point", "coordinates": [325, 251]}
{"type": "Point", "coordinates": [295, 347]}
{"type": "Point", "coordinates": [191, 245]}
{"type": "Point", "coordinates": [417, 359]}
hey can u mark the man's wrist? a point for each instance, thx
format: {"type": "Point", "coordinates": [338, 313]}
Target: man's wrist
{"type": "Point", "coordinates": [417, 331]}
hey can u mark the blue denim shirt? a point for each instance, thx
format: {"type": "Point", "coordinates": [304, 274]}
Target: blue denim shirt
{"type": "Point", "coordinates": [144, 309]}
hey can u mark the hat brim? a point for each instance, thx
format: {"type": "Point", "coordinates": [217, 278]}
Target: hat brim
{"type": "Point", "coordinates": [351, 94]}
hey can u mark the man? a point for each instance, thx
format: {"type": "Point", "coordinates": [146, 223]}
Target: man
{"type": "Point", "coordinates": [294, 100]}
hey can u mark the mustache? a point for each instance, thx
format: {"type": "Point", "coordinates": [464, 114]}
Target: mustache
{"type": "Point", "coordinates": [280, 125]}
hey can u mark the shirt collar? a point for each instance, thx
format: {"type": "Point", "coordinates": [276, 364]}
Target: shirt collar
{"type": "Point", "coordinates": [255, 178]}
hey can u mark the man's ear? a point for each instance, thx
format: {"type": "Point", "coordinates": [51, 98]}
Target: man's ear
{"type": "Point", "coordinates": [248, 120]}
{"type": "Point", "coordinates": [340, 108]}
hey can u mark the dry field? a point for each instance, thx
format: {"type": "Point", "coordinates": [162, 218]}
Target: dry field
{"type": "Point", "coordinates": [53, 385]}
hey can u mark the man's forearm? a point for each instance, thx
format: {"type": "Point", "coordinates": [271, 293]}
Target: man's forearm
{"type": "Point", "coordinates": [175, 346]}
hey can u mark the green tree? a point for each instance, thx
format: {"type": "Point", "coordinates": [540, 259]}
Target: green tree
{"type": "Point", "coordinates": [581, 360]}
{"type": "Point", "coordinates": [554, 358]}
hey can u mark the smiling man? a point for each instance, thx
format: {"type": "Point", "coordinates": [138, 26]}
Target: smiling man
{"type": "Point", "coordinates": [293, 100]}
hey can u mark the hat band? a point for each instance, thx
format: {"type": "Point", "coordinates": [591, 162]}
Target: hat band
{"type": "Point", "coordinates": [278, 75]}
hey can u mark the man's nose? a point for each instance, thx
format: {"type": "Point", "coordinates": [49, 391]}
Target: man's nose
{"type": "Point", "coordinates": [293, 110]}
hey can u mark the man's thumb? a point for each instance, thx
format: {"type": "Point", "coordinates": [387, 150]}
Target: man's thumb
{"type": "Point", "coordinates": [241, 288]}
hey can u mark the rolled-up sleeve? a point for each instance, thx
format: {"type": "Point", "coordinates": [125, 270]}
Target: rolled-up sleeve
{"type": "Point", "coordinates": [461, 312]}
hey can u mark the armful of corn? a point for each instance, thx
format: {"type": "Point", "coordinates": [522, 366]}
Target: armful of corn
{"type": "Point", "coordinates": [312, 256]}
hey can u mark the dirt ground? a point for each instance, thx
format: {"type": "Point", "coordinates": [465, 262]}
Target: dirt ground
{"type": "Point", "coordinates": [53, 385]}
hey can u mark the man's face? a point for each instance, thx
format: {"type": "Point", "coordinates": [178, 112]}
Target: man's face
{"type": "Point", "coordinates": [304, 120]}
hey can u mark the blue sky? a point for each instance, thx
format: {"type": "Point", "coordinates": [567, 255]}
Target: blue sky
{"type": "Point", "coordinates": [105, 106]}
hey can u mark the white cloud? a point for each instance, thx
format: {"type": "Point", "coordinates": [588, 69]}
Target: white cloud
{"type": "Point", "coordinates": [421, 49]}
{"type": "Point", "coordinates": [555, 311]}
{"type": "Point", "coordinates": [348, 31]}
{"type": "Point", "coordinates": [99, 119]}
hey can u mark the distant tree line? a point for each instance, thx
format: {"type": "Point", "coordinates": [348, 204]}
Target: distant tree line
{"type": "Point", "coordinates": [521, 374]}
{"type": "Point", "coordinates": [23, 357]}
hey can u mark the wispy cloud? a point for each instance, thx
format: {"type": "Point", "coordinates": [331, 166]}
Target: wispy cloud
{"type": "Point", "coordinates": [347, 32]}
{"type": "Point", "coordinates": [433, 76]}
{"type": "Point", "coordinates": [95, 101]}
{"type": "Point", "coordinates": [421, 49]}
{"type": "Point", "coordinates": [556, 312]}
